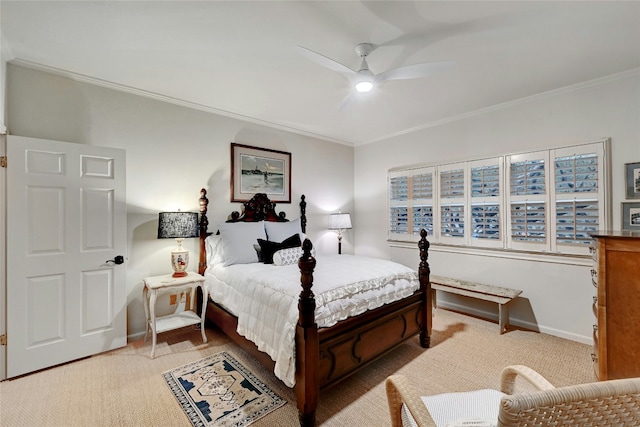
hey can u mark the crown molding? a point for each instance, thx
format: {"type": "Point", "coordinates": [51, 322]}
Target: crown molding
{"type": "Point", "coordinates": [274, 125]}
{"type": "Point", "coordinates": [169, 99]}
{"type": "Point", "coordinates": [509, 104]}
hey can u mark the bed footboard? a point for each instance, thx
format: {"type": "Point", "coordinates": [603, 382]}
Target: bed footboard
{"type": "Point", "coordinates": [359, 341]}
{"type": "Point", "coordinates": [325, 357]}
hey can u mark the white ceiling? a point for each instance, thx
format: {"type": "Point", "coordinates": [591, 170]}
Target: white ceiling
{"type": "Point", "coordinates": [240, 59]}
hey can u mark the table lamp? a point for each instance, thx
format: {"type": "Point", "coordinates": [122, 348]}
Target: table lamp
{"type": "Point", "coordinates": [179, 226]}
{"type": "Point", "coordinates": [339, 221]}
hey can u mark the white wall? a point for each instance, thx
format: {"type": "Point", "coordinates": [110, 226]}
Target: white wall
{"type": "Point", "coordinates": [557, 296]}
{"type": "Point", "coordinates": [172, 152]}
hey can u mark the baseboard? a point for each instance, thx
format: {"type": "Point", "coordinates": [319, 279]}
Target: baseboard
{"type": "Point", "coordinates": [135, 336]}
{"type": "Point", "coordinates": [516, 322]}
{"type": "Point", "coordinates": [483, 315]}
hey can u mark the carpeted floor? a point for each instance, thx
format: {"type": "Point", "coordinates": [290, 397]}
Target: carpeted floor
{"type": "Point", "coordinates": [126, 388]}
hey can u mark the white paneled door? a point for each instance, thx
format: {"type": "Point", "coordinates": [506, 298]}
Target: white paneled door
{"type": "Point", "coordinates": [66, 241]}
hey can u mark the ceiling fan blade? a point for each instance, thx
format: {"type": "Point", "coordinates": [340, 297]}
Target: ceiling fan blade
{"type": "Point", "coordinates": [356, 98]}
{"type": "Point", "coordinates": [347, 101]}
{"type": "Point", "coordinates": [414, 71]}
{"type": "Point", "coordinates": [324, 61]}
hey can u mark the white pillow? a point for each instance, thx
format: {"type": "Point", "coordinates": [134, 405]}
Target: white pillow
{"type": "Point", "coordinates": [278, 231]}
{"type": "Point", "coordinates": [238, 239]}
{"type": "Point", "coordinates": [215, 253]}
{"type": "Point", "coordinates": [460, 409]}
{"type": "Point", "coordinates": [289, 256]}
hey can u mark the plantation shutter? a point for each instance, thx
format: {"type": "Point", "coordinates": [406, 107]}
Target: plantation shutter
{"type": "Point", "coordinates": [452, 202]}
{"type": "Point", "coordinates": [422, 198]}
{"type": "Point", "coordinates": [410, 203]}
{"type": "Point", "coordinates": [527, 187]}
{"type": "Point", "coordinates": [546, 201]}
{"type": "Point", "coordinates": [486, 202]}
{"type": "Point", "coordinates": [398, 206]}
{"type": "Point", "coordinates": [579, 199]}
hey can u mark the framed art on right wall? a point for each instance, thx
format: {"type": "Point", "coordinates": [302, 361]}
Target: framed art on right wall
{"type": "Point", "coordinates": [632, 174]}
{"type": "Point", "coordinates": [631, 216]}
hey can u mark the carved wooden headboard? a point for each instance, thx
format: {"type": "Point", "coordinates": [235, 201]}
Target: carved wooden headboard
{"type": "Point", "coordinates": [259, 208]}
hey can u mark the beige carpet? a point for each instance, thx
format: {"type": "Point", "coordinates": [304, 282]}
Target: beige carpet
{"type": "Point", "coordinates": [126, 388]}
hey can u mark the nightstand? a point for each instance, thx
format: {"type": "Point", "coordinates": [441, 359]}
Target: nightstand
{"type": "Point", "coordinates": [154, 286]}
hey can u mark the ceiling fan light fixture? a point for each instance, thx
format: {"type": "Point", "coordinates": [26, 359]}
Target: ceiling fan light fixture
{"type": "Point", "coordinates": [364, 86]}
{"type": "Point", "coordinates": [365, 78]}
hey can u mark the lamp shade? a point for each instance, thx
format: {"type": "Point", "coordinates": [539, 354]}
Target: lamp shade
{"type": "Point", "coordinates": [178, 225]}
{"type": "Point", "coordinates": [339, 221]}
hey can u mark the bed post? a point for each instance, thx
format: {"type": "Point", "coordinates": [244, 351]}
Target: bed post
{"type": "Point", "coordinates": [425, 285]}
{"type": "Point", "coordinates": [303, 214]}
{"type": "Point", "coordinates": [204, 225]}
{"type": "Point", "coordinates": [307, 386]}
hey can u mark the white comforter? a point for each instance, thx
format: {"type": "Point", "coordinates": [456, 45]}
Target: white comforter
{"type": "Point", "coordinates": [264, 297]}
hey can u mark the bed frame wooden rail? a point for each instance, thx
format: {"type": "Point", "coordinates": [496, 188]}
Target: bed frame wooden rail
{"type": "Point", "coordinates": [325, 356]}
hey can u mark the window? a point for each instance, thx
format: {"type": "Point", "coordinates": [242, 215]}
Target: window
{"type": "Point", "coordinates": [410, 203]}
{"type": "Point", "coordinates": [547, 201]}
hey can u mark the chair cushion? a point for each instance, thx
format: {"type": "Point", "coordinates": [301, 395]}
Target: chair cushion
{"type": "Point", "coordinates": [459, 409]}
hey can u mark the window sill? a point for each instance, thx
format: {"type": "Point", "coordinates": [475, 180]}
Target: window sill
{"type": "Point", "coordinates": [579, 260]}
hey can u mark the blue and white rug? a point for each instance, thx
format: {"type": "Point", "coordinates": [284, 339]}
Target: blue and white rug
{"type": "Point", "coordinates": [219, 391]}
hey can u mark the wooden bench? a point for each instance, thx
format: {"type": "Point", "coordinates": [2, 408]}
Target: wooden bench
{"type": "Point", "coordinates": [503, 296]}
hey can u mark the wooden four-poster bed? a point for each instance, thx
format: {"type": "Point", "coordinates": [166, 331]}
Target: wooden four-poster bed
{"type": "Point", "coordinates": [325, 355]}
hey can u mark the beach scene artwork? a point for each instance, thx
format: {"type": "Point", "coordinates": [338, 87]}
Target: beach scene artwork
{"type": "Point", "coordinates": [261, 175]}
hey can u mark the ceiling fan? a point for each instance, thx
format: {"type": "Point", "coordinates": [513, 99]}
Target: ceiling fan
{"type": "Point", "coordinates": [364, 80]}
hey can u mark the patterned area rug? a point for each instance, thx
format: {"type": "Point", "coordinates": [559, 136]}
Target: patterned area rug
{"type": "Point", "coordinates": [219, 391]}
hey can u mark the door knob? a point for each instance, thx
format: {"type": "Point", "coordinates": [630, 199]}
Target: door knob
{"type": "Point", "coordinates": [119, 259]}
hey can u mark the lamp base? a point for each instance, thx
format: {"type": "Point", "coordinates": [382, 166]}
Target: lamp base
{"type": "Point", "coordinates": [179, 262]}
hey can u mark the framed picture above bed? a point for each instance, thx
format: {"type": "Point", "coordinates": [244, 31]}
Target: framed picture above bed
{"type": "Point", "coordinates": [632, 178]}
{"type": "Point", "coordinates": [260, 170]}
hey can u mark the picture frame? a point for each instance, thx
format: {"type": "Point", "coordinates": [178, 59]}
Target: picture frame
{"type": "Point", "coordinates": [632, 175]}
{"type": "Point", "coordinates": [631, 216]}
{"type": "Point", "coordinates": [260, 170]}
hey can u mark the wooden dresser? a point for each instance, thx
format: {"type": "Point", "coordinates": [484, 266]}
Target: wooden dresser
{"type": "Point", "coordinates": [616, 304]}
